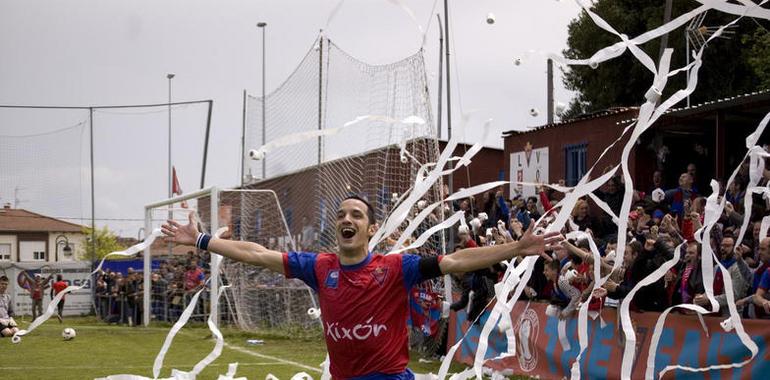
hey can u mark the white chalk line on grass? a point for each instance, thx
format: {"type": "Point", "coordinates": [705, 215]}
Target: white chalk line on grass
{"type": "Point", "coordinates": [240, 364]}
{"type": "Point", "coordinates": [263, 356]}
{"type": "Point", "coordinates": [110, 328]}
{"type": "Point", "coordinates": [278, 361]}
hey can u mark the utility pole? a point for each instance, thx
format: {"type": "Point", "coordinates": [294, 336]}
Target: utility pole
{"type": "Point", "coordinates": [263, 26]}
{"type": "Point", "coordinates": [440, 74]}
{"type": "Point", "coordinates": [550, 91]}
{"type": "Point", "coordinates": [448, 86]}
{"type": "Point", "coordinates": [170, 180]}
{"type": "Point", "coordinates": [169, 76]}
{"type": "Point", "coordinates": [320, 94]}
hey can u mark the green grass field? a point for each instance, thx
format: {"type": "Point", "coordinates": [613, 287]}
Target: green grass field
{"type": "Point", "coordinates": [100, 350]}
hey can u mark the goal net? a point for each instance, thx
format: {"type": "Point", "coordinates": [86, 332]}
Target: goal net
{"type": "Point", "coordinates": [257, 298]}
{"type": "Point", "coordinates": [68, 162]}
{"type": "Point", "coordinates": [371, 152]}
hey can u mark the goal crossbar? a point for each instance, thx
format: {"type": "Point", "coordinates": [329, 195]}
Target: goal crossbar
{"type": "Point", "coordinates": [214, 197]}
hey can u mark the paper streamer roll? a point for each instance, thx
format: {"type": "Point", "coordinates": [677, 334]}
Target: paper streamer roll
{"type": "Point", "coordinates": [314, 313]}
{"type": "Point", "coordinates": [302, 376]}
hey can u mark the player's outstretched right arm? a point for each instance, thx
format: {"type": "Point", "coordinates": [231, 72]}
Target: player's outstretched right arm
{"type": "Point", "coordinates": [243, 251]}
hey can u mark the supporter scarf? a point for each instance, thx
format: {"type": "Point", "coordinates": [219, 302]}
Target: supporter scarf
{"type": "Point", "coordinates": [686, 296]}
{"type": "Point", "coordinates": [719, 281]}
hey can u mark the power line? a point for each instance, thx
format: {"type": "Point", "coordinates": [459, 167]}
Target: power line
{"type": "Point", "coordinates": [80, 124]}
{"type": "Point", "coordinates": [77, 218]}
{"type": "Point", "coordinates": [105, 107]}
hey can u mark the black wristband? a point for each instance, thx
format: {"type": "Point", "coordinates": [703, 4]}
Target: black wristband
{"type": "Point", "coordinates": [202, 242]}
{"type": "Point", "coordinates": [429, 267]}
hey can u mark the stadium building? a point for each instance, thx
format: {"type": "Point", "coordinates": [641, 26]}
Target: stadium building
{"type": "Point", "coordinates": [710, 135]}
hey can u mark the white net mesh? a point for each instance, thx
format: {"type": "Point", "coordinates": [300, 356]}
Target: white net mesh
{"type": "Point", "coordinates": [363, 159]}
{"type": "Point", "coordinates": [45, 159]}
{"type": "Point", "coordinates": [258, 298]}
{"type": "Point", "coordinates": [328, 89]}
{"type": "Point", "coordinates": [142, 135]}
{"type": "Point", "coordinates": [45, 172]}
{"type": "Point", "coordinates": [261, 298]}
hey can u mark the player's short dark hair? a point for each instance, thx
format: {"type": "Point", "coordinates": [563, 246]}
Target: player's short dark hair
{"type": "Point", "coordinates": [369, 208]}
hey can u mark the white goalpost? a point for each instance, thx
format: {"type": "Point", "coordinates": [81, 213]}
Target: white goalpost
{"type": "Point", "coordinates": [239, 214]}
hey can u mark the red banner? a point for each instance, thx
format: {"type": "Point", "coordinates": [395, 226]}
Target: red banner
{"type": "Point", "coordinates": [541, 352]}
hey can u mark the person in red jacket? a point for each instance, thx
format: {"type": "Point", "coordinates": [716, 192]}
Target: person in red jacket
{"type": "Point", "coordinates": [57, 288]}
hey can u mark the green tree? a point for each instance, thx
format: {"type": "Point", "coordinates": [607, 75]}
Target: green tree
{"type": "Point", "coordinates": [106, 243]}
{"type": "Point", "coordinates": [759, 60]}
{"type": "Point", "coordinates": [731, 66]}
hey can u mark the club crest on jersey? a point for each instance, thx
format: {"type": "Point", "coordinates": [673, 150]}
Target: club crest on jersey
{"type": "Point", "coordinates": [332, 278]}
{"type": "Point", "coordinates": [379, 274]}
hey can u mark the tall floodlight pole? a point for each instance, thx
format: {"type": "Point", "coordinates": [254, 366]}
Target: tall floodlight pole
{"type": "Point", "coordinates": [170, 180]}
{"type": "Point", "coordinates": [440, 74]}
{"type": "Point", "coordinates": [263, 26]}
{"type": "Point", "coordinates": [169, 76]}
{"type": "Point", "coordinates": [549, 91]}
{"type": "Point", "coordinates": [450, 180]}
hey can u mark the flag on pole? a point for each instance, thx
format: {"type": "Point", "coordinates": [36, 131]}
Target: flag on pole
{"type": "Point", "coordinates": [176, 189]}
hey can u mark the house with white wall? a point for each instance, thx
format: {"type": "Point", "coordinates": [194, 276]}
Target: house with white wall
{"type": "Point", "coordinates": [28, 237]}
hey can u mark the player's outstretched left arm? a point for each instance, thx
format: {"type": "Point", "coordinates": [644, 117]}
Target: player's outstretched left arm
{"type": "Point", "coordinates": [243, 251]}
{"type": "Point", "coordinates": [471, 259]}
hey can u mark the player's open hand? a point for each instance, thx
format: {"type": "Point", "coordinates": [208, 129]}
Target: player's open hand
{"type": "Point", "coordinates": [180, 234]}
{"type": "Point", "coordinates": [531, 244]}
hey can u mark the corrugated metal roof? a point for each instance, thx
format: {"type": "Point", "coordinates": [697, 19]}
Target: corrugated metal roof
{"type": "Point", "coordinates": [594, 115]}
{"type": "Point", "coordinates": [681, 111]}
{"type": "Point", "coordinates": [20, 220]}
{"type": "Point", "coordinates": [721, 103]}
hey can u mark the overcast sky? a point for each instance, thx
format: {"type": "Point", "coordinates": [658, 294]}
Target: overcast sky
{"type": "Point", "coordinates": [119, 52]}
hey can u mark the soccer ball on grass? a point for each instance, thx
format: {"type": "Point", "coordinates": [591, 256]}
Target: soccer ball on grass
{"type": "Point", "coordinates": [68, 333]}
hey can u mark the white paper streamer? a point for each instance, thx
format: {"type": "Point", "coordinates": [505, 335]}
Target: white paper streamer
{"type": "Point", "coordinates": [51, 308]}
{"type": "Point", "coordinates": [648, 114]}
{"type": "Point", "coordinates": [220, 341]}
{"type": "Point", "coordinates": [296, 138]}
{"type": "Point", "coordinates": [183, 318]}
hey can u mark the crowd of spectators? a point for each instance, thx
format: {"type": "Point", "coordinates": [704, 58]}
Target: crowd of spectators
{"type": "Point", "coordinates": [119, 297]}
{"type": "Point", "coordinates": [663, 218]}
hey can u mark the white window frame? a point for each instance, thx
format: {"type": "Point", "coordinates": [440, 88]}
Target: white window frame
{"type": "Point", "coordinates": [9, 254]}
{"type": "Point", "coordinates": [36, 253]}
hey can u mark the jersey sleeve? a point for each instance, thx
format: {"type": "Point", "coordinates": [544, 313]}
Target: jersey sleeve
{"type": "Point", "coordinates": [764, 282]}
{"type": "Point", "coordinates": [417, 269]}
{"type": "Point", "coordinates": [301, 265]}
